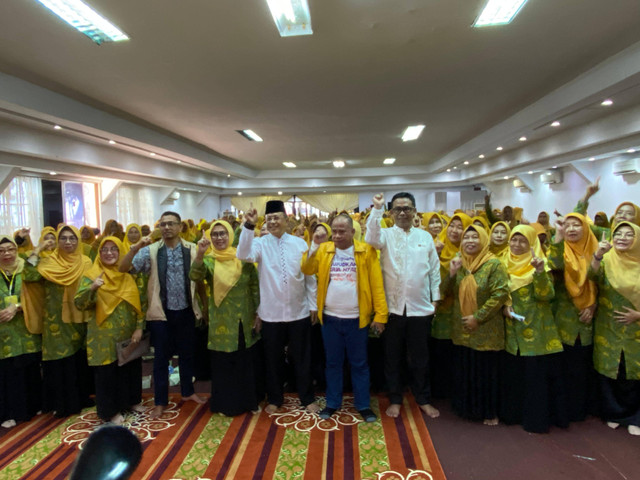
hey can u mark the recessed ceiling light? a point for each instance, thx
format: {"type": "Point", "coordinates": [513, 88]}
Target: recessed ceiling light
{"type": "Point", "coordinates": [555, 123]}
{"type": "Point", "coordinates": [466, 162]}
{"type": "Point", "coordinates": [523, 139]}
{"type": "Point", "coordinates": [279, 193]}
{"type": "Point", "coordinates": [239, 193]}
{"type": "Point", "coordinates": [57, 127]}
{"type": "Point", "coordinates": [506, 177]}
{"type": "Point", "coordinates": [292, 17]}
{"type": "Point", "coordinates": [52, 173]}
{"type": "Point", "coordinates": [592, 159]}
{"type": "Point", "coordinates": [112, 142]}
{"type": "Point", "coordinates": [448, 169]}
{"type": "Point", "coordinates": [530, 172]}
{"type": "Point", "coordinates": [178, 161]}
{"type": "Point", "coordinates": [228, 175]}
{"type": "Point", "coordinates": [389, 161]}
{"type": "Point", "coordinates": [152, 154]}
{"type": "Point", "coordinates": [250, 135]}
{"type": "Point", "coordinates": [338, 163]}
{"type": "Point", "coordinates": [455, 168]}
{"type": "Point", "coordinates": [412, 133]}
{"type": "Point", "coordinates": [606, 103]}
{"type": "Point", "coordinates": [86, 20]}
{"type": "Point", "coordinates": [499, 12]}
{"type": "Point", "coordinates": [555, 166]}
{"type": "Point", "coordinates": [481, 155]}
{"type": "Point", "coordinates": [631, 150]}
{"type": "Point", "coordinates": [499, 148]}
{"type": "Point", "coordinates": [324, 191]}
{"type": "Point", "coordinates": [289, 164]}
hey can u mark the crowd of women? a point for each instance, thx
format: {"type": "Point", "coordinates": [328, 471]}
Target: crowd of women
{"type": "Point", "coordinates": [539, 323]}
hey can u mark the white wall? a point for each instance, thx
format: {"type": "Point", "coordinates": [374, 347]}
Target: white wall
{"type": "Point", "coordinates": [564, 196]}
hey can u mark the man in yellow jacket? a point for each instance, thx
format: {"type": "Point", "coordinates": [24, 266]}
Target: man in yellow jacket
{"type": "Point", "coordinates": [350, 300]}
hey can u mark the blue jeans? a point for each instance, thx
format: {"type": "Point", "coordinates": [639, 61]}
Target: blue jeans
{"type": "Point", "coordinates": [340, 335]}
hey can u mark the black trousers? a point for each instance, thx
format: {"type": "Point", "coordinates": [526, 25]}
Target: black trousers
{"type": "Point", "coordinates": [580, 380]}
{"type": "Point", "coordinates": [296, 336]}
{"type": "Point", "coordinates": [20, 387]}
{"type": "Point", "coordinates": [620, 398]}
{"type": "Point", "coordinates": [407, 337]}
{"type": "Point", "coordinates": [67, 384]}
{"type": "Point", "coordinates": [117, 388]}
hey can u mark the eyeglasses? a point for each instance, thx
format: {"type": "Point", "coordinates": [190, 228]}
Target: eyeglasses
{"type": "Point", "coordinates": [109, 250]}
{"type": "Point", "coordinates": [219, 234]}
{"type": "Point", "coordinates": [624, 235]}
{"type": "Point", "coordinates": [72, 239]}
{"type": "Point", "coordinates": [8, 250]}
{"type": "Point", "coordinates": [169, 224]}
{"type": "Point", "coordinates": [405, 210]}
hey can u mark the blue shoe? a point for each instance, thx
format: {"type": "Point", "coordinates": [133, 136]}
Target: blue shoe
{"type": "Point", "coordinates": [326, 413]}
{"type": "Point", "coordinates": [368, 415]}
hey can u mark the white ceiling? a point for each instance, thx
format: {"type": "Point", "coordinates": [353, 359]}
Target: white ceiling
{"type": "Point", "coordinates": [195, 71]}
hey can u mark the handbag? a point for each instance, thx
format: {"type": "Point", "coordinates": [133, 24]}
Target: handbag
{"type": "Point", "coordinates": [127, 350]}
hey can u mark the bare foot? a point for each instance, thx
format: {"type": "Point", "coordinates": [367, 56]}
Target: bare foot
{"type": "Point", "coordinates": [117, 419]}
{"type": "Point", "coordinates": [195, 398]}
{"type": "Point", "coordinates": [393, 410]}
{"type": "Point", "coordinates": [138, 408]}
{"type": "Point", "coordinates": [271, 408]}
{"type": "Point", "coordinates": [157, 411]}
{"type": "Point", "coordinates": [430, 410]}
{"type": "Point", "coordinates": [491, 421]}
{"type": "Point", "coordinates": [313, 407]}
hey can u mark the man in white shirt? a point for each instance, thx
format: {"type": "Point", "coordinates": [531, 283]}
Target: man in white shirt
{"type": "Point", "coordinates": [411, 272]}
{"type": "Point", "coordinates": [287, 302]}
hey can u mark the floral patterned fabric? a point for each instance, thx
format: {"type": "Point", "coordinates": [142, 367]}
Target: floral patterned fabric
{"type": "Point", "coordinates": [15, 339]}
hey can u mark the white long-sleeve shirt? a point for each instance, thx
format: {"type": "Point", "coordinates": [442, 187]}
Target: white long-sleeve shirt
{"type": "Point", "coordinates": [286, 294]}
{"type": "Point", "coordinates": [410, 267]}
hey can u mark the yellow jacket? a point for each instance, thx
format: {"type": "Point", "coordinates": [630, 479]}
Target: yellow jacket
{"type": "Point", "coordinates": [371, 299]}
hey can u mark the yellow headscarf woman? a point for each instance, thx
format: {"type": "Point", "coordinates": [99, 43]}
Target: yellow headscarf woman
{"type": "Point", "coordinates": [126, 243]}
{"type": "Point", "coordinates": [228, 268]}
{"type": "Point", "coordinates": [500, 251]}
{"type": "Point", "coordinates": [481, 222]}
{"type": "Point", "coordinates": [519, 266]}
{"type": "Point", "coordinates": [66, 269]}
{"type": "Point", "coordinates": [622, 268]}
{"type": "Point", "coordinates": [426, 220]}
{"type": "Point", "coordinates": [450, 249]}
{"type": "Point", "coordinates": [47, 231]}
{"type": "Point", "coordinates": [118, 287]}
{"type": "Point", "coordinates": [577, 257]}
{"type": "Point", "coordinates": [471, 263]}
{"type": "Point", "coordinates": [633, 218]}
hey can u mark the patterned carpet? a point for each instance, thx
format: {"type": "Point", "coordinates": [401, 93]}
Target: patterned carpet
{"type": "Point", "coordinates": [187, 442]}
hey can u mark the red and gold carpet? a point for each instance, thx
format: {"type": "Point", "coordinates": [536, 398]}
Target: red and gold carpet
{"type": "Point", "coordinates": [188, 442]}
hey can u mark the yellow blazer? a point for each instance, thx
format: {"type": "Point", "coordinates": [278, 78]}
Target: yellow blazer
{"type": "Point", "coordinates": [371, 299]}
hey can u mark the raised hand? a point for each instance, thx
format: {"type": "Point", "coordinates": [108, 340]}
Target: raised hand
{"type": "Point", "coordinates": [251, 216]}
{"type": "Point", "coordinates": [593, 188]}
{"type": "Point", "coordinates": [320, 236]}
{"type": "Point", "coordinates": [378, 201]}
{"type": "Point", "coordinates": [537, 263]}
{"type": "Point", "coordinates": [98, 282]}
{"type": "Point", "coordinates": [203, 245]}
{"type": "Point", "coordinates": [454, 265]}
{"type": "Point", "coordinates": [604, 246]}
{"type": "Point", "coordinates": [23, 232]}
{"type": "Point", "coordinates": [143, 242]}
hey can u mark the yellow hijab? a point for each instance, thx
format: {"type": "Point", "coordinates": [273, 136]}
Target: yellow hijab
{"type": "Point", "coordinates": [66, 270]}
{"type": "Point", "coordinates": [118, 287]}
{"type": "Point", "coordinates": [623, 268]}
{"type": "Point", "coordinates": [604, 216]}
{"type": "Point", "coordinates": [126, 243]}
{"type": "Point", "coordinates": [471, 263]}
{"type": "Point", "coordinates": [426, 218]}
{"type": "Point", "coordinates": [228, 268]}
{"type": "Point", "coordinates": [43, 233]}
{"type": "Point", "coordinates": [483, 221]}
{"type": "Point", "coordinates": [450, 249]}
{"type": "Point", "coordinates": [636, 218]}
{"type": "Point", "coordinates": [500, 251]}
{"type": "Point", "coordinates": [27, 244]}
{"type": "Point", "coordinates": [92, 238]}
{"type": "Point", "coordinates": [18, 264]}
{"type": "Point", "coordinates": [358, 228]}
{"type": "Point", "coordinates": [577, 257]}
{"type": "Point", "coordinates": [519, 266]}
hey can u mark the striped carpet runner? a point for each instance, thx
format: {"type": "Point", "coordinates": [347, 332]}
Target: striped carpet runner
{"type": "Point", "coordinates": [188, 442]}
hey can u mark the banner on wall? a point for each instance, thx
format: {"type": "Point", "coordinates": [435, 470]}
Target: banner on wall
{"type": "Point", "coordinates": [73, 199]}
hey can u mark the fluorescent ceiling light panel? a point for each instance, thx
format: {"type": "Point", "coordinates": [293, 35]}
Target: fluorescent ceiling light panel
{"type": "Point", "coordinates": [292, 17]}
{"type": "Point", "coordinates": [250, 135]}
{"type": "Point", "coordinates": [338, 163]}
{"type": "Point", "coordinates": [289, 164]}
{"type": "Point", "coordinates": [412, 133]}
{"type": "Point", "coordinates": [389, 161]}
{"type": "Point", "coordinates": [499, 12]}
{"type": "Point", "coordinates": [606, 103]}
{"type": "Point", "coordinates": [86, 20]}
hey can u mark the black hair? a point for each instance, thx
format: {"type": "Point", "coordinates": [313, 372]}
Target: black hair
{"type": "Point", "coordinates": [177, 215]}
{"type": "Point", "coordinates": [403, 195]}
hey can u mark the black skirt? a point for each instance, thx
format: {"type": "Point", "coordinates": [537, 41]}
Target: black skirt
{"type": "Point", "coordinates": [117, 388]}
{"type": "Point", "coordinates": [583, 396]}
{"type": "Point", "coordinates": [20, 387]}
{"type": "Point", "coordinates": [533, 392]}
{"type": "Point", "coordinates": [620, 398]}
{"type": "Point", "coordinates": [440, 367]}
{"type": "Point", "coordinates": [67, 384]}
{"type": "Point", "coordinates": [475, 383]}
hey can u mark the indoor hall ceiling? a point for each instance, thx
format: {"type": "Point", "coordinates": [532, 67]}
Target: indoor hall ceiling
{"type": "Point", "coordinates": [200, 70]}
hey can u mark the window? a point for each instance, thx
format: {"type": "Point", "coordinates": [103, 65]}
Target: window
{"type": "Point", "coordinates": [21, 206]}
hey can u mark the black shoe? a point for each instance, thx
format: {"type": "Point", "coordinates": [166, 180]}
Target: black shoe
{"type": "Point", "coordinates": [326, 413]}
{"type": "Point", "coordinates": [368, 415]}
